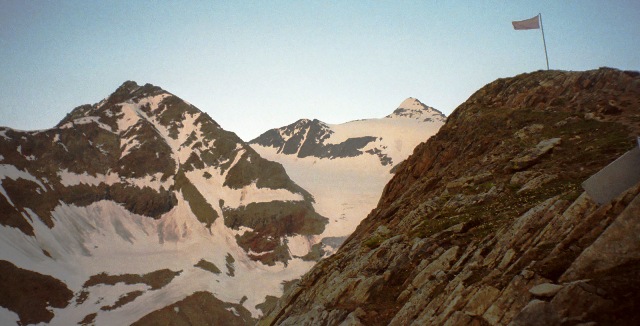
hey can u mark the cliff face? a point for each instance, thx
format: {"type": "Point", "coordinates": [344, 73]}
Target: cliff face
{"type": "Point", "coordinates": [486, 223]}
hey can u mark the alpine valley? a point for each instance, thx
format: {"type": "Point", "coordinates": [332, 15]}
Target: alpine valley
{"type": "Point", "coordinates": [346, 166]}
{"type": "Point", "coordinates": [141, 209]}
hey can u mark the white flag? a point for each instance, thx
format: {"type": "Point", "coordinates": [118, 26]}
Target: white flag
{"type": "Point", "coordinates": [531, 23]}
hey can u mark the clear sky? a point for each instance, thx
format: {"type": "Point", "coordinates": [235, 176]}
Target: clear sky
{"type": "Point", "coordinates": [258, 65]}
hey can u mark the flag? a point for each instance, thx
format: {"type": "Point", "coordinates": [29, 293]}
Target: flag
{"type": "Point", "coordinates": [531, 23]}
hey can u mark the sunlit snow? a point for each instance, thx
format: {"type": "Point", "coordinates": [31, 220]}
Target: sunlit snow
{"type": "Point", "coordinates": [347, 189]}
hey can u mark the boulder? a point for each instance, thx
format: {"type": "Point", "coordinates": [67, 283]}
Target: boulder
{"type": "Point", "coordinates": [533, 155]}
{"type": "Point", "coordinates": [545, 290]}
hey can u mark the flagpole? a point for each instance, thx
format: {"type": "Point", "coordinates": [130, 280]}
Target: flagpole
{"type": "Point", "coordinates": [543, 40]}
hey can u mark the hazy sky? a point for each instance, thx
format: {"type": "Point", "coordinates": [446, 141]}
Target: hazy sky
{"type": "Point", "coordinates": [258, 65]}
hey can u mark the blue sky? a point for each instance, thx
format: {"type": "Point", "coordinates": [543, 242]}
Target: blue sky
{"type": "Point", "coordinates": [264, 64]}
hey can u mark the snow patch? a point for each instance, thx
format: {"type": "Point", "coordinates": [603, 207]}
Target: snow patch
{"type": "Point", "coordinates": [6, 196]}
{"type": "Point", "coordinates": [129, 145]}
{"type": "Point", "coordinates": [72, 179]}
{"type": "Point", "coordinates": [233, 311]}
{"type": "Point", "coordinates": [238, 155]}
{"type": "Point", "coordinates": [8, 317]}
{"type": "Point", "coordinates": [130, 116]}
{"type": "Point", "coordinates": [300, 245]}
{"type": "Point", "coordinates": [154, 101]}
{"type": "Point", "coordinates": [242, 230]}
{"type": "Point", "coordinates": [85, 120]}
{"type": "Point", "coordinates": [68, 179]}
{"type": "Point", "coordinates": [11, 172]}
{"type": "Point", "coordinates": [253, 194]}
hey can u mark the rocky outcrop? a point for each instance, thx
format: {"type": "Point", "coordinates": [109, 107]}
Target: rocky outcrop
{"type": "Point", "coordinates": [305, 138]}
{"type": "Point", "coordinates": [200, 308]}
{"type": "Point", "coordinates": [486, 223]}
{"type": "Point", "coordinates": [31, 295]}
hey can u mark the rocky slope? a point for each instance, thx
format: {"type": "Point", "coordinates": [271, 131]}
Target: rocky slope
{"type": "Point", "coordinates": [345, 166]}
{"type": "Point", "coordinates": [487, 224]}
{"type": "Point", "coordinates": [141, 202]}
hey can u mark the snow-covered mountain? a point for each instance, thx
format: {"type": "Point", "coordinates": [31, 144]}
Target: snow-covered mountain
{"type": "Point", "coordinates": [141, 208]}
{"type": "Point", "coordinates": [346, 166]}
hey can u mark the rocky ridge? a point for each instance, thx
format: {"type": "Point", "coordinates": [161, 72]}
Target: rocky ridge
{"type": "Point", "coordinates": [315, 138]}
{"type": "Point", "coordinates": [412, 108]}
{"type": "Point", "coordinates": [486, 222]}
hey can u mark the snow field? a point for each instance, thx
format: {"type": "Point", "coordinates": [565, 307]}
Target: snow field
{"type": "Point", "coordinates": [347, 189]}
{"type": "Point", "coordinates": [104, 237]}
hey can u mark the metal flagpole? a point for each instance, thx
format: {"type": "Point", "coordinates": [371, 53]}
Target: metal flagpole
{"type": "Point", "coordinates": [543, 40]}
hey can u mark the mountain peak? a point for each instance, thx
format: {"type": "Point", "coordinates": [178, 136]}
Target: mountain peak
{"type": "Point", "coordinates": [126, 105]}
{"type": "Point", "coordinates": [411, 102]}
{"type": "Point", "coordinates": [412, 108]}
{"type": "Point", "coordinates": [129, 85]}
{"type": "Point", "coordinates": [130, 90]}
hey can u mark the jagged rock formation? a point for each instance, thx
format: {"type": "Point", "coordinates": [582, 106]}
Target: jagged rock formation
{"type": "Point", "coordinates": [137, 202]}
{"type": "Point", "coordinates": [345, 166]}
{"type": "Point", "coordinates": [486, 223]}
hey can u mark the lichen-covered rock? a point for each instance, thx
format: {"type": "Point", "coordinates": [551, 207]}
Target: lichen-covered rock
{"type": "Point", "coordinates": [538, 182]}
{"type": "Point", "coordinates": [536, 313]}
{"type": "Point", "coordinates": [545, 290]}
{"type": "Point", "coordinates": [533, 155]}
{"type": "Point", "coordinates": [619, 243]}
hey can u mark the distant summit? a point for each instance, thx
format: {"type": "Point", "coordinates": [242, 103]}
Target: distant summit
{"type": "Point", "coordinates": [345, 166]}
{"type": "Point", "coordinates": [412, 108]}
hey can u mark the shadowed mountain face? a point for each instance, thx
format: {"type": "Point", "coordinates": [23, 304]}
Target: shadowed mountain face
{"type": "Point", "coordinates": [487, 223]}
{"type": "Point", "coordinates": [306, 138]}
{"type": "Point", "coordinates": [138, 183]}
